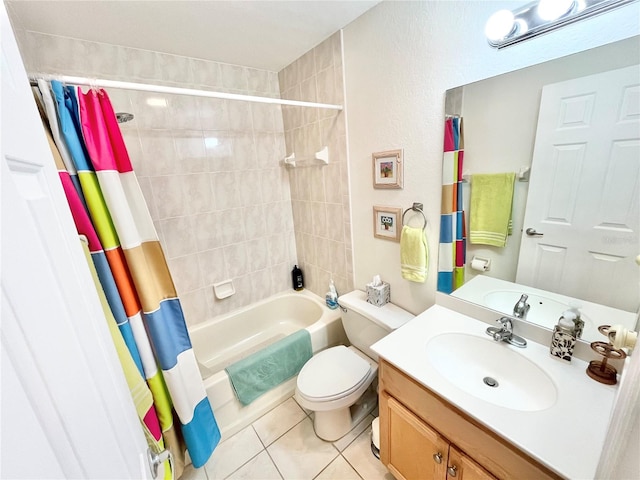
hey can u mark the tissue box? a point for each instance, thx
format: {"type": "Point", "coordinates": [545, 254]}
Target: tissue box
{"type": "Point", "coordinates": [379, 295]}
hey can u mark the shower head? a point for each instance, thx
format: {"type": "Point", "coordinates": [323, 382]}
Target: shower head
{"type": "Point", "coordinates": [123, 117]}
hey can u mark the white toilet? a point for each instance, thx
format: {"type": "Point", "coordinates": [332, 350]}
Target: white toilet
{"type": "Point", "coordinates": [338, 383]}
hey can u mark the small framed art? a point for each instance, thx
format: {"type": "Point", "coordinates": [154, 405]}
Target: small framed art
{"type": "Point", "coordinates": [387, 169]}
{"type": "Point", "coordinates": [386, 222]}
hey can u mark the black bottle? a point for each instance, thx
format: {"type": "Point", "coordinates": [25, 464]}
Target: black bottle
{"type": "Point", "coordinates": [297, 279]}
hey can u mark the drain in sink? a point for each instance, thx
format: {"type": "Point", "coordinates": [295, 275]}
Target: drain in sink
{"type": "Point", "coordinates": [492, 382]}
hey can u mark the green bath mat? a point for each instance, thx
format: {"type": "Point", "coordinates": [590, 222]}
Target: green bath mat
{"type": "Point", "coordinates": [263, 370]}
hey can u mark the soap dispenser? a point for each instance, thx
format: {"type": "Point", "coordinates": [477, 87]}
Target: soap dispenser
{"type": "Point", "coordinates": [297, 279]}
{"type": "Point", "coordinates": [332, 296]}
{"type": "Point", "coordinates": [563, 338]}
{"type": "Point", "coordinates": [577, 320]}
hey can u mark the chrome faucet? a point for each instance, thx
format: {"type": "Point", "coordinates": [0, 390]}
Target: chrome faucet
{"type": "Point", "coordinates": [521, 307]}
{"type": "Point", "coordinates": [504, 333]}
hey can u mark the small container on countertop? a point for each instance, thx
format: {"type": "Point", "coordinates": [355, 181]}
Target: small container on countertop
{"type": "Point", "coordinates": [563, 338]}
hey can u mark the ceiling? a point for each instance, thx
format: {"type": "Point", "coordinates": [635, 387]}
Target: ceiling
{"type": "Point", "coordinates": [260, 34]}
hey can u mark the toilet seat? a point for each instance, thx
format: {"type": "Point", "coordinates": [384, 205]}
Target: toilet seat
{"type": "Point", "coordinates": [331, 374]}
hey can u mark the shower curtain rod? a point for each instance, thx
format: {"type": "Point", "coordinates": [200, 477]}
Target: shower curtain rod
{"type": "Point", "coordinates": [146, 87]}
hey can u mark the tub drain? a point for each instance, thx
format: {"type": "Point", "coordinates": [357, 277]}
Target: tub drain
{"type": "Point", "coordinates": [492, 382]}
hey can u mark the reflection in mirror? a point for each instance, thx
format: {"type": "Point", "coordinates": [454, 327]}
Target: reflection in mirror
{"type": "Point", "coordinates": [575, 122]}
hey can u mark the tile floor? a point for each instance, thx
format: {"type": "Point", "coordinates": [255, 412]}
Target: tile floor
{"type": "Point", "coordinates": [282, 445]}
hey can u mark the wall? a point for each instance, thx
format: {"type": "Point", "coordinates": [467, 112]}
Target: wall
{"type": "Point", "coordinates": [514, 99]}
{"type": "Point", "coordinates": [208, 168]}
{"type": "Point", "coordinates": [400, 58]}
{"type": "Point", "coordinates": [319, 193]}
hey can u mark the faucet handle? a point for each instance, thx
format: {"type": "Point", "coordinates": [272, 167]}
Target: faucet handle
{"type": "Point", "coordinates": [506, 323]}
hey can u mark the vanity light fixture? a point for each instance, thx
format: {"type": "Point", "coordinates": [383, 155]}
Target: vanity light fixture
{"type": "Point", "coordinates": [507, 27]}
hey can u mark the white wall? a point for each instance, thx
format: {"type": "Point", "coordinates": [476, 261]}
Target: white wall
{"type": "Point", "coordinates": [400, 58]}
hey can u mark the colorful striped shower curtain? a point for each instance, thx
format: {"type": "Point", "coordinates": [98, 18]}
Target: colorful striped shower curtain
{"type": "Point", "coordinates": [452, 251]}
{"type": "Point", "coordinates": [108, 208]}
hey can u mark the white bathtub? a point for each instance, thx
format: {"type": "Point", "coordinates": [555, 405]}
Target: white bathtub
{"type": "Point", "coordinates": [225, 339]}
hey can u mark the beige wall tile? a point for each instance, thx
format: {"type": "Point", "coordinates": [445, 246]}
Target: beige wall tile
{"type": "Point", "coordinates": [168, 196]}
{"type": "Point", "coordinates": [208, 231]}
{"type": "Point", "coordinates": [195, 306]}
{"type": "Point", "coordinates": [214, 113]}
{"type": "Point", "coordinates": [212, 266]}
{"type": "Point", "coordinates": [258, 254]}
{"type": "Point", "coordinates": [244, 152]}
{"type": "Point", "coordinates": [210, 169]}
{"type": "Point", "coordinates": [185, 273]}
{"type": "Point", "coordinates": [174, 68]}
{"type": "Point", "coordinates": [259, 81]}
{"type": "Point", "coordinates": [261, 285]}
{"type": "Point", "coordinates": [255, 225]}
{"type": "Point", "coordinates": [205, 73]}
{"type": "Point", "coordinates": [183, 113]}
{"type": "Point", "coordinates": [189, 151]}
{"type": "Point", "coordinates": [178, 235]}
{"type": "Point", "coordinates": [197, 193]}
{"type": "Point", "coordinates": [236, 260]}
{"type": "Point", "coordinates": [234, 77]}
{"type": "Point", "coordinates": [320, 202]}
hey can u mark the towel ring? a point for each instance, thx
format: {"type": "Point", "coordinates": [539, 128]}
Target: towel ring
{"type": "Point", "coordinates": [417, 207]}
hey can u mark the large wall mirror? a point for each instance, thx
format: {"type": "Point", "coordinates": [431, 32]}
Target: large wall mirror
{"type": "Point", "coordinates": [532, 120]}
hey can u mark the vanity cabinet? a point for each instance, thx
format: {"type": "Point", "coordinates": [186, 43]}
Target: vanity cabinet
{"type": "Point", "coordinates": [423, 437]}
{"type": "Point", "coordinates": [416, 451]}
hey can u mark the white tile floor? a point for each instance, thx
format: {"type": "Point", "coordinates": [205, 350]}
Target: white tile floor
{"type": "Point", "coordinates": [282, 445]}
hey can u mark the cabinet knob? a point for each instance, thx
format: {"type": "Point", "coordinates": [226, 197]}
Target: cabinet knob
{"type": "Point", "coordinates": [452, 471]}
{"type": "Point", "coordinates": [437, 457]}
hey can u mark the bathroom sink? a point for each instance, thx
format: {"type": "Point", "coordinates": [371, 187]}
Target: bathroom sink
{"type": "Point", "coordinates": [491, 371]}
{"type": "Point", "coordinates": [544, 311]}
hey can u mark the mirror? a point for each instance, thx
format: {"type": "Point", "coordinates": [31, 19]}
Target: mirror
{"type": "Point", "coordinates": [500, 117]}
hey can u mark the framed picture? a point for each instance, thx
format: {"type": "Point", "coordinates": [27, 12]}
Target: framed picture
{"type": "Point", "coordinates": [387, 169]}
{"type": "Point", "coordinates": [386, 222]}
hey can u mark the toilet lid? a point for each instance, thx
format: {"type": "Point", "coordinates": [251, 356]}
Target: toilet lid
{"type": "Point", "coordinates": [332, 372]}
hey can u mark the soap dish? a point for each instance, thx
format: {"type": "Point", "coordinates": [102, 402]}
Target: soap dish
{"type": "Point", "coordinates": [224, 289]}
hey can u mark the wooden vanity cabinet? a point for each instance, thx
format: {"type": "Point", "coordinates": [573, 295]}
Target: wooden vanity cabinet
{"type": "Point", "coordinates": [416, 451]}
{"type": "Point", "coordinates": [423, 437]}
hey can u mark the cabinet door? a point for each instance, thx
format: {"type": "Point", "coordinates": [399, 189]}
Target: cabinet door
{"type": "Point", "coordinates": [409, 448]}
{"type": "Point", "coordinates": [461, 467]}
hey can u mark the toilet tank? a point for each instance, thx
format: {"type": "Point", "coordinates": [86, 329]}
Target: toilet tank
{"type": "Point", "coordinates": [365, 324]}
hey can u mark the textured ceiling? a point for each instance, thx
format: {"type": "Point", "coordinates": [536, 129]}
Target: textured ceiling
{"type": "Point", "coordinates": [259, 34]}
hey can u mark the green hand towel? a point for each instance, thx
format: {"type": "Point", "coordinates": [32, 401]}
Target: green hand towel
{"type": "Point", "coordinates": [263, 370]}
{"type": "Point", "coordinates": [490, 208]}
{"type": "Point", "coordinates": [414, 254]}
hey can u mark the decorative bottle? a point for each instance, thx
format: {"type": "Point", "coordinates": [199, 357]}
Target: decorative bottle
{"type": "Point", "coordinates": [297, 279]}
{"type": "Point", "coordinates": [563, 339]}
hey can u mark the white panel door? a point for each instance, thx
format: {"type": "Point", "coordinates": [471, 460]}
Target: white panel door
{"type": "Point", "coordinates": [66, 411]}
{"type": "Point", "coordinates": [584, 191]}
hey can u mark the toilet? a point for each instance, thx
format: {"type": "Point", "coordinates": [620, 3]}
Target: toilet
{"type": "Point", "coordinates": [337, 384]}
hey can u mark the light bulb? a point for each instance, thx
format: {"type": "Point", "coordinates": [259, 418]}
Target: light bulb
{"type": "Point", "coordinates": [499, 25]}
{"type": "Point", "coordinates": [553, 9]}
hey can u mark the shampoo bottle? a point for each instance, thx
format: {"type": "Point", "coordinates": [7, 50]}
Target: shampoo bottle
{"type": "Point", "coordinates": [332, 296]}
{"type": "Point", "coordinates": [297, 279]}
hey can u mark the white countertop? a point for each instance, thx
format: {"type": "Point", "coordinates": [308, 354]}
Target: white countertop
{"type": "Point", "coordinates": [567, 437]}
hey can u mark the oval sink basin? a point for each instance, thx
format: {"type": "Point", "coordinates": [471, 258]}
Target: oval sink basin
{"type": "Point", "coordinates": [543, 311]}
{"type": "Point", "coordinates": [491, 371]}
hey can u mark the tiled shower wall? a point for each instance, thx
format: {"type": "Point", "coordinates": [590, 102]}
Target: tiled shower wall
{"type": "Point", "coordinates": [319, 194]}
{"type": "Point", "coordinates": [209, 168]}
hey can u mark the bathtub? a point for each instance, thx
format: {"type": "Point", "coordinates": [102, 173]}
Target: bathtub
{"type": "Point", "coordinates": [219, 342]}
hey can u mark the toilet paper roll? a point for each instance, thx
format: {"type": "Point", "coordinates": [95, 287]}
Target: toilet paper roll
{"type": "Point", "coordinates": [479, 264]}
